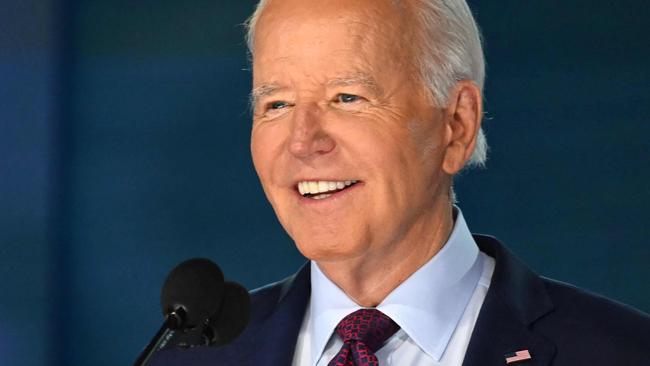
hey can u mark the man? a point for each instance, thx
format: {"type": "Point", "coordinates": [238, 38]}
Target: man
{"type": "Point", "coordinates": [363, 113]}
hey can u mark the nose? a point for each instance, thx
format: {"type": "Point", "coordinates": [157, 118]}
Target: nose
{"type": "Point", "coordinates": [307, 135]}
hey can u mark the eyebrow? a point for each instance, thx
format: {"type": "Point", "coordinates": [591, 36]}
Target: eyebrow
{"type": "Point", "coordinates": [263, 91]}
{"type": "Point", "coordinates": [362, 79]}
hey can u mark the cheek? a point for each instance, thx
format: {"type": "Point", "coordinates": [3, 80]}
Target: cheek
{"type": "Point", "coordinates": [385, 145]}
{"type": "Point", "coordinates": [404, 159]}
{"type": "Point", "coordinates": [265, 142]}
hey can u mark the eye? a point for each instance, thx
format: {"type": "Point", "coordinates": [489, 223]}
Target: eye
{"type": "Point", "coordinates": [273, 109]}
{"type": "Point", "coordinates": [347, 98]}
{"type": "Point", "coordinates": [277, 105]}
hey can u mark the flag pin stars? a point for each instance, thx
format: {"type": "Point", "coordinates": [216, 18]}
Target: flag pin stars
{"type": "Point", "coordinates": [518, 356]}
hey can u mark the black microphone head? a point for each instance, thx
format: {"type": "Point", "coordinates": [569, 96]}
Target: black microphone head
{"type": "Point", "coordinates": [196, 286]}
{"type": "Point", "coordinates": [233, 317]}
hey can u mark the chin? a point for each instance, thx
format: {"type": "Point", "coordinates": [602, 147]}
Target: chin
{"type": "Point", "coordinates": [327, 248]}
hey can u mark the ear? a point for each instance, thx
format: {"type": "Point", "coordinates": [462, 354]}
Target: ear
{"type": "Point", "coordinates": [464, 114]}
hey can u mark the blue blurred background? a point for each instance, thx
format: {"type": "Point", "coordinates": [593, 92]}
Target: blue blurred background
{"type": "Point", "coordinates": [124, 149]}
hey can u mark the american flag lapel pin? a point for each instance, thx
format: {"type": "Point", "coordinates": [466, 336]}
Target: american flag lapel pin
{"type": "Point", "coordinates": [518, 356]}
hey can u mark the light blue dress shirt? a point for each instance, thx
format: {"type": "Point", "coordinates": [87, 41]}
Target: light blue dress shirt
{"type": "Point", "coordinates": [436, 308]}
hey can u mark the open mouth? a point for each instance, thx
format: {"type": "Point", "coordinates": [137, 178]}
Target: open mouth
{"type": "Point", "coordinates": [319, 190]}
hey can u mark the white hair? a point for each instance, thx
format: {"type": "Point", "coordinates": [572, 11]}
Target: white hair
{"type": "Point", "coordinates": [450, 51]}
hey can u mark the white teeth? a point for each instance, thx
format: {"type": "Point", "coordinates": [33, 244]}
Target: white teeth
{"type": "Point", "coordinates": [302, 189]}
{"type": "Point", "coordinates": [323, 186]}
{"type": "Point", "coordinates": [313, 187]}
{"type": "Point", "coordinates": [316, 187]}
{"type": "Point", "coordinates": [321, 196]}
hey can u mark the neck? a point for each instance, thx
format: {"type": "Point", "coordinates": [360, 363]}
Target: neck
{"type": "Point", "coordinates": [359, 278]}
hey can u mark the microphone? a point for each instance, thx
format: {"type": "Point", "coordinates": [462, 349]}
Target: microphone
{"type": "Point", "coordinates": [233, 317]}
{"type": "Point", "coordinates": [193, 288]}
{"type": "Point", "coordinates": [191, 293]}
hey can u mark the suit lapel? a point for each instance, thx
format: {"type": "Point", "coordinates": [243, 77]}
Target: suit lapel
{"type": "Point", "coordinates": [515, 300]}
{"type": "Point", "coordinates": [275, 343]}
{"type": "Point", "coordinates": [496, 334]}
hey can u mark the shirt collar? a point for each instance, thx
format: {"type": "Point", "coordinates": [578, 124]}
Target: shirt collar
{"type": "Point", "coordinates": [427, 306]}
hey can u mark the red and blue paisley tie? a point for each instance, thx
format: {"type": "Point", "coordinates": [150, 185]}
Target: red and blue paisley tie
{"type": "Point", "coordinates": [363, 333]}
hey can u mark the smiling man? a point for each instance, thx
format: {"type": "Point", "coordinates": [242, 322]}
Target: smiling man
{"type": "Point", "coordinates": [353, 154]}
{"type": "Point", "coordinates": [364, 111]}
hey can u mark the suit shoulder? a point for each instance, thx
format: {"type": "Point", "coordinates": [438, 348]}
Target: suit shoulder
{"type": "Point", "coordinates": [267, 292]}
{"type": "Point", "coordinates": [572, 298]}
{"type": "Point", "coordinates": [580, 314]}
{"type": "Point", "coordinates": [264, 299]}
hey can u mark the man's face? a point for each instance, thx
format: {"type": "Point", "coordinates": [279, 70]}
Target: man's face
{"type": "Point", "coordinates": [337, 101]}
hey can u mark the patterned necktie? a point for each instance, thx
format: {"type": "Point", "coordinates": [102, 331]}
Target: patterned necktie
{"type": "Point", "coordinates": [363, 333]}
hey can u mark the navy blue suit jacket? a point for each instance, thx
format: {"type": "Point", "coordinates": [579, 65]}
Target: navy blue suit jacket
{"type": "Point", "coordinates": [558, 324]}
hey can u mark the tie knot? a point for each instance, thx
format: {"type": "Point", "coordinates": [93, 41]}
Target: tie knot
{"type": "Point", "coordinates": [369, 326]}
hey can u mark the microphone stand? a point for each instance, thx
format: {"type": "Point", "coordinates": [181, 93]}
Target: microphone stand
{"type": "Point", "coordinates": [173, 321]}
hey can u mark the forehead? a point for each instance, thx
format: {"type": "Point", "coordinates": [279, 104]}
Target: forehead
{"type": "Point", "coordinates": [295, 33]}
{"type": "Point", "coordinates": [308, 10]}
